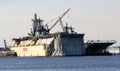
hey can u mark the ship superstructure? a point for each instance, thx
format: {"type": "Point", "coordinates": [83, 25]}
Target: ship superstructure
{"type": "Point", "coordinates": [41, 42]}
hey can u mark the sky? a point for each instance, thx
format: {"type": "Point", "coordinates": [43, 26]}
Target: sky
{"type": "Point", "coordinates": [97, 19]}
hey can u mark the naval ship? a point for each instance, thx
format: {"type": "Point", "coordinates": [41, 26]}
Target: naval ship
{"type": "Point", "coordinates": [40, 42]}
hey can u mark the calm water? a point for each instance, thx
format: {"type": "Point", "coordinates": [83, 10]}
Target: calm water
{"type": "Point", "coordinates": [82, 63]}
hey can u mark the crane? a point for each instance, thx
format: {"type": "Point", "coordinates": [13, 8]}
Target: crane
{"type": "Point", "coordinates": [59, 18]}
{"type": "Point", "coordinates": [61, 23]}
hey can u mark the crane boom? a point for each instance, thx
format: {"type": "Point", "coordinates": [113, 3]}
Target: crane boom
{"type": "Point", "coordinates": [60, 18]}
{"type": "Point", "coordinates": [61, 23]}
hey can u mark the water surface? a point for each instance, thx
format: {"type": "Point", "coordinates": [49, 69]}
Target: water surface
{"type": "Point", "coordinates": [81, 63]}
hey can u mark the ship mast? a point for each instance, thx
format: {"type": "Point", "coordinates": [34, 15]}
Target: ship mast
{"type": "Point", "coordinates": [38, 27]}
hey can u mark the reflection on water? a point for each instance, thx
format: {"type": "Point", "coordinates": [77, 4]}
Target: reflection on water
{"type": "Point", "coordinates": [82, 63]}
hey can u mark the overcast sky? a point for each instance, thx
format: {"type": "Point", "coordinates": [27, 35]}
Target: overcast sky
{"type": "Point", "coordinates": [98, 19]}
